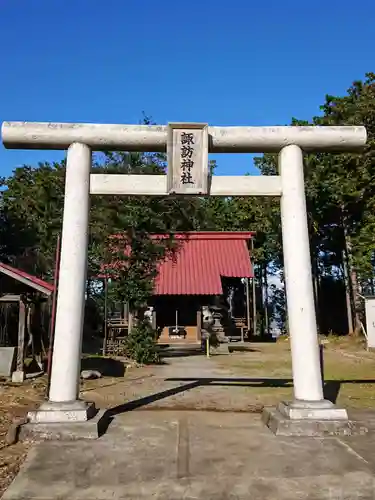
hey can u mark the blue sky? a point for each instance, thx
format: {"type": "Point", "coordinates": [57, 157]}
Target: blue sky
{"type": "Point", "coordinates": [226, 63]}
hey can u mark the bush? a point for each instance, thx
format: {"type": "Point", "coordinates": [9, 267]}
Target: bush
{"type": "Point", "coordinates": [141, 344]}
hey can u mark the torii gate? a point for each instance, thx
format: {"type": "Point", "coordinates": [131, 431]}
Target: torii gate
{"type": "Point", "coordinates": [188, 146]}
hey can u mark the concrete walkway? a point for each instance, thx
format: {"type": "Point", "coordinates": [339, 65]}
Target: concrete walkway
{"type": "Point", "coordinates": [167, 454]}
{"type": "Point", "coordinates": [175, 455]}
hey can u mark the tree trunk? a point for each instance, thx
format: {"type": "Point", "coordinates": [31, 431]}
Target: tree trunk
{"type": "Point", "coordinates": [266, 318]}
{"type": "Point", "coordinates": [349, 309]}
{"type": "Point", "coordinates": [353, 282]}
{"type": "Point", "coordinates": [356, 300]}
{"type": "Point", "coordinates": [314, 267]}
{"type": "Point", "coordinates": [88, 287]}
{"type": "Point", "coordinates": [261, 299]}
{"type": "Point", "coordinates": [315, 275]}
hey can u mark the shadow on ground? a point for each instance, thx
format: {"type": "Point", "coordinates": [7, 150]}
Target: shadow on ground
{"type": "Point", "coordinates": [332, 387]}
{"type": "Point", "coordinates": [167, 351]}
{"type": "Point", "coordinates": [331, 391]}
{"type": "Point", "coordinates": [234, 347]}
{"type": "Point", "coordinates": [108, 367]}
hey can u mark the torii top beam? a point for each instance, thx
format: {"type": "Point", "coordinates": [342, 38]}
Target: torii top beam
{"type": "Point", "coordinates": [153, 138]}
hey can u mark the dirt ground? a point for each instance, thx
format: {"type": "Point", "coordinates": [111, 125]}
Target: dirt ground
{"type": "Point", "coordinates": [239, 382]}
{"type": "Point", "coordinates": [15, 401]}
{"type": "Point", "coordinates": [242, 381]}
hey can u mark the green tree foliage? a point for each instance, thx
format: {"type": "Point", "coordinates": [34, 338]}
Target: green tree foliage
{"type": "Point", "coordinates": [141, 344]}
{"type": "Point", "coordinates": [340, 193]}
{"type": "Point", "coordinates": [31, 211]}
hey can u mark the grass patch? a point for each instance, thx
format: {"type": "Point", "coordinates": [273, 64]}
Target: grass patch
{"type": "Point", "coordinates": [349, 372]}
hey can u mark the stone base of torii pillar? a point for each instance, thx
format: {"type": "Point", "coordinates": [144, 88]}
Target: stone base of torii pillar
{"type": "Point", "coordinates": [73, 411]}
{"type": "Point", "coordinates": [309, 418]}
{"type": "Point", "coordinates": [65, 421]}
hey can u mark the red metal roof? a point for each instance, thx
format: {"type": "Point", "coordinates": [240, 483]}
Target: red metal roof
{"type": "Point", "coordinates": [201, 260]}
{"type": "Point", "coordinates": [26, 278]}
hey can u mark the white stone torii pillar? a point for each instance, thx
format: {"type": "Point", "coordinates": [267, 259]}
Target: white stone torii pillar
{"type": "Point", "coordinates": [80, 139]}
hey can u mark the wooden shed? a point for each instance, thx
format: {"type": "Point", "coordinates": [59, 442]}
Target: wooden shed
{"type": "Point", "coordinates": [21, 306]}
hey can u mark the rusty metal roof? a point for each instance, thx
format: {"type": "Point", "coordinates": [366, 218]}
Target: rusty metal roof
{"type": "Point", "coordinates": [201, 260]}
{"type": "Point", "coordinates": [26, 278]}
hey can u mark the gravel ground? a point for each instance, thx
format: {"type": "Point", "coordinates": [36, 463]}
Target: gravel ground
{"type": "Point", "coordinates": [184, 383]}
